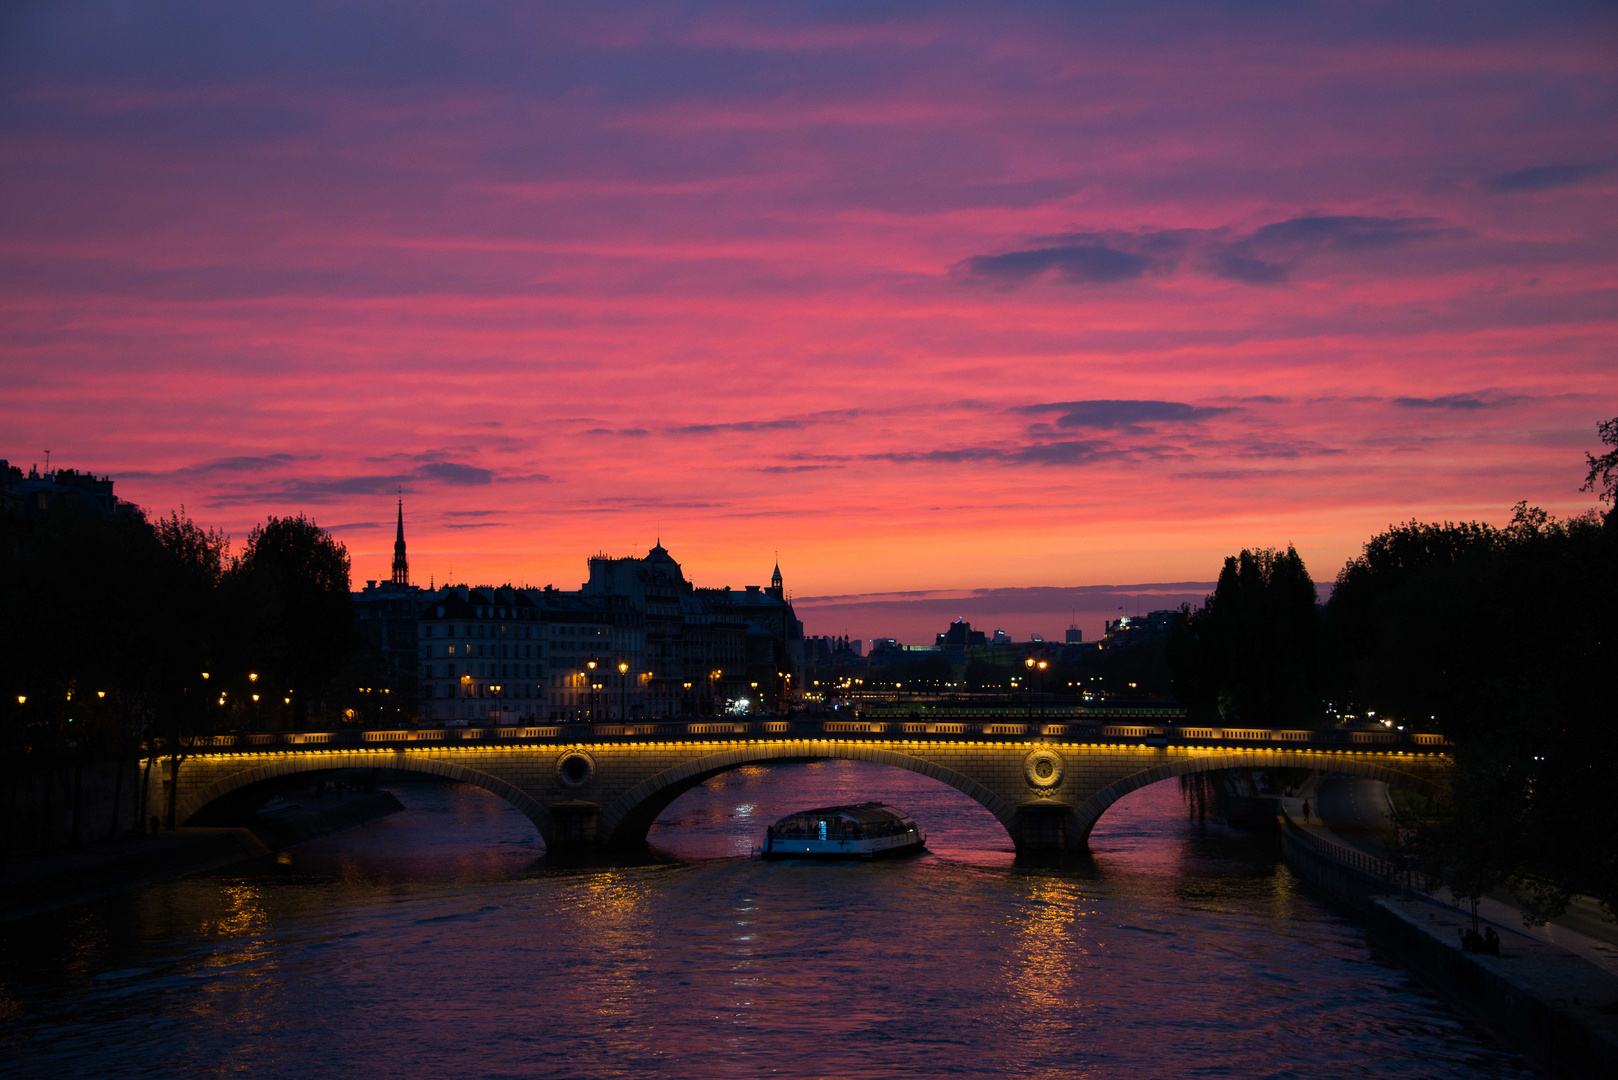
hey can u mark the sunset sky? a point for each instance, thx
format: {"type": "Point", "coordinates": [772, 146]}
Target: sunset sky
{"type": "Point", "coordinates": [926, 298]}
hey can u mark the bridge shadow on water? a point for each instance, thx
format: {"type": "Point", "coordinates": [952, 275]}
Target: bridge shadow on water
{"type": "Point", "coordinates": [456, 833]}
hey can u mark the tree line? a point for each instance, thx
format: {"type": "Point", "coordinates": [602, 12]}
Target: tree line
{"type": "Point", "coordinates": [1504, 639]}
{"type": "Point", "coordinates": [117, 630]}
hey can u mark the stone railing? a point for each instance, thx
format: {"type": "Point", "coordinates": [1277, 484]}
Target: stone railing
{"type": "Point", "coordinates": [1060, 710]}
{"type": "Point", "coordinates": [801, 727]}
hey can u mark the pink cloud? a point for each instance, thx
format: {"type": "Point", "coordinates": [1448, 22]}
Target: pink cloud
{"type": "Point", "coordinates": [756, 283]}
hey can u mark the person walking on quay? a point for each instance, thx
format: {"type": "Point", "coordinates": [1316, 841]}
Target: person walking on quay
{"type": "Point", "coordinates": [1306, 811]}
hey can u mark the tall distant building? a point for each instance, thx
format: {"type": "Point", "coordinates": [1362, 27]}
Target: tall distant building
{"type": "Point", "coordinates": [386, 615]}
{"type": "Point", "coordinates": [960, 636]}
{"type": "Point", "coordinates": [401, 565]}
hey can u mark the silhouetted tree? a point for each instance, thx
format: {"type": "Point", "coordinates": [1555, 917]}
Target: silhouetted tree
{"type": "Point", "coordinates": [105, 623]}
{"type": "Point", "coordinates": [1505, 640]}
{"type": "Point", "coordinates": [1387, 627]}
{"type": "Point", "coordinates": [1604, 471]}
{"type": "Point", "coordinates": [288, 597]}
{"type": "Point", "coordinates": [1248, 655]}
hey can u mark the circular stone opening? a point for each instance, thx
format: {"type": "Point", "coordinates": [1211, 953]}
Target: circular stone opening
{"type": "Point", "coordinates": [575, 770]}
{"type": "Point", "coordinates": [1043, 770]}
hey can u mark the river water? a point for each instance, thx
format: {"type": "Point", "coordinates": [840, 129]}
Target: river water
{"type": "Point", "coordinates": [437, 942]}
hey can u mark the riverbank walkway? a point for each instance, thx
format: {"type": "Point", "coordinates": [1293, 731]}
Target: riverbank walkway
{"type": "Point", "coordinates": [1552, 991]}
{"type": "Point", "coordinates": [1581, 930]}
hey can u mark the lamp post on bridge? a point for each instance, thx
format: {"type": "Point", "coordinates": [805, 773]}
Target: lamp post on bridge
{"type": "Point", "coordinates": [623, 692]}
{"type": "Point", "coordinates": [1029, 663]}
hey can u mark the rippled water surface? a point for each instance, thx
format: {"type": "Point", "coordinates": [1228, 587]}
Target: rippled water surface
{"type": "Point", "coordinates": [438, 943]}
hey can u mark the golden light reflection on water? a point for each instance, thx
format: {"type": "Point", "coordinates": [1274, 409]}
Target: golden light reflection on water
{"type": "Point", "coordinates": [609, 911]}
{"type": "Point", "coordinates": [240, 911]}
{"type": "Point", "coordinates": [1041, 968]}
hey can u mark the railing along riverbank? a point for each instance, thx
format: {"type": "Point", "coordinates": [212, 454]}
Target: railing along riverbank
{"type": "Point", "coordinates": [1396, 876]}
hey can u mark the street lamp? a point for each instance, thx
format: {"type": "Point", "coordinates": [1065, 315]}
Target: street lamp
{"type": "Point", "coordinates": [1030, 663]}
{"type": "Point", "coordinates": [590, 681]}
{"type": "Point", "coordinates": [623, 691]}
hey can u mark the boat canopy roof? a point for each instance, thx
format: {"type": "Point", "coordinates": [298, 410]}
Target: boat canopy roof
{"type": "Point", "coordinates": [867, 813]}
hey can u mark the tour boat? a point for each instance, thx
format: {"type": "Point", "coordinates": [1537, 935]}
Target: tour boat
{"type": "Point", "coordinates": [861, 831]}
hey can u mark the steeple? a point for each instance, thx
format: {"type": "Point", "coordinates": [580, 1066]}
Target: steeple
{"type": "Point", "coordinates": [401, 566]}
{"type": "Point", "coordinates": [775, 581]}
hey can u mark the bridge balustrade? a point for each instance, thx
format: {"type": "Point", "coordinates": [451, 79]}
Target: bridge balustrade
{"type": "Point", "coordinates": [811, 727]}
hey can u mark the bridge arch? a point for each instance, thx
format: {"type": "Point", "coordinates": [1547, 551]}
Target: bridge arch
{"type": "Point", "coordinates": [199, 800]}
{"type": "Point", "coordinates": [627, 820]}
{"type": "Point", "coordinates": [1089, 812]}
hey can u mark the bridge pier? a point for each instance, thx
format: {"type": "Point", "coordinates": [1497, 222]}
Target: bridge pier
{"type": "Point", "coordinates": [1041, 827]}
{"type": "Point", "coordinates": [575, 826]}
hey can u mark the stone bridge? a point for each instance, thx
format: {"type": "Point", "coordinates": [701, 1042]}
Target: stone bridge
{"type": "Point", "coordinates": [602, 787]}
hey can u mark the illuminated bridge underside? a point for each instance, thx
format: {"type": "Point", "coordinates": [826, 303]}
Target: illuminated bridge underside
{"type": "Point", "coordinates": [1048, 792]}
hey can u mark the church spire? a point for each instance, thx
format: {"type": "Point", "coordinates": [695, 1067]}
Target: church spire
{"type": "Point", "coordinates": [401, 566]}
{"type": "Point", "coordinates": [775, 580]}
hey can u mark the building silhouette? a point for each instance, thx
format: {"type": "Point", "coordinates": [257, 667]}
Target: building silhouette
{"type": "Point", "coordinates": [37, 494]}
{"type": "Point", "coordinates": [635, 640]}
{"type": "Point", "coordinates": [386, 616]}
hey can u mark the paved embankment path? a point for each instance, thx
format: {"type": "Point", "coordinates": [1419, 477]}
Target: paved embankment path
{"type": "Point", "coordinates": [1553, 990]}
{"type": "Point", "coordinates": [1582, 931]}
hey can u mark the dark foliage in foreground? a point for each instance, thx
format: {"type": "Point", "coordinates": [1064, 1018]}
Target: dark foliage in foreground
{"type": "Point", "coordinates": [107, 624]}
{"type": "Point", "coordinates": [1505, 640]}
